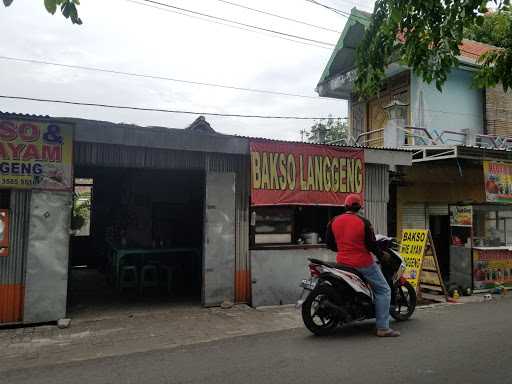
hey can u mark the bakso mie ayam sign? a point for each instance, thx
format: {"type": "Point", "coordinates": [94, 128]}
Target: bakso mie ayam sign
{"type": "Point", "coordinates": [304, 174]}
{"type": "Point", "coordinates": [36, 154]}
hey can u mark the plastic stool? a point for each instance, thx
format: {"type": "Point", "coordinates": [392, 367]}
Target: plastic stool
{"type": "Point", "coordinates": [148, 277]}
{"type": "Point", "coordinates": [166, 276]}
{"type": "Point", "coordinates": [128, 277]}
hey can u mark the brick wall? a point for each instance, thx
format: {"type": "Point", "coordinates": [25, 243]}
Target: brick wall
{"type": "Point", "coordinates": [498, 111]}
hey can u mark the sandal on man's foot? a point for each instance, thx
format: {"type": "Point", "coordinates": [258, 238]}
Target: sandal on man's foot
{"type": "Point", "coordinates": [387, 333]}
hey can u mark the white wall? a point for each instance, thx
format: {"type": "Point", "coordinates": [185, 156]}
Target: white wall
{"type": "Point", "coordinates": [276, 274]}
{"type": "Point", "coordinates": [459, 106]}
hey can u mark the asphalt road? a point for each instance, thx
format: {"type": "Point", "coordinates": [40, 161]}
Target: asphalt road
{"type": "Point", "coordinates": [469, 343]}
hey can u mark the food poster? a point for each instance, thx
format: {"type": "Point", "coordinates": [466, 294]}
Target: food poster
{"type": "Point", "coordinates": [498, 182]}
{"type": "Point", "coordinates": [461, 216]}
{"type": "Point", "coordinates": [492, 267]}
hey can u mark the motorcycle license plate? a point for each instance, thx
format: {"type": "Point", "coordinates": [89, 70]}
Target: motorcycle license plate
{"type": "Point", "coordinates": [308, 284]}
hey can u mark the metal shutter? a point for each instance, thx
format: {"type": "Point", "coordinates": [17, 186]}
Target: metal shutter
{"type": "Point", "coordinates": [413, 216]}
{"type": "Point", "coordinates": [437, 209]}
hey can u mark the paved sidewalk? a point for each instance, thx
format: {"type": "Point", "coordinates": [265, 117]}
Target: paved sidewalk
{"type": "Point", "coordinates": [126, 333]}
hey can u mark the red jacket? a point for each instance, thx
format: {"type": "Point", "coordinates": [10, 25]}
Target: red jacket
{"type": "Point", "coordinates": [355, 239]}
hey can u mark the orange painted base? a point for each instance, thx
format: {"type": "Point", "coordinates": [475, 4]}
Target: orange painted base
{"type": "Point", "coordinates": [11, 303]}
{"type": "Point", "coordinates": [242, 287]}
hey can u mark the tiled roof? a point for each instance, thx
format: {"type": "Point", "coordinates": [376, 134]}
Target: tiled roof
{"type": "Point", "coordinates": [468, 48]}
{"type": "Point", "coordinates": [473, 49]}
{"type": "Point", "coordinates": [333, 145]}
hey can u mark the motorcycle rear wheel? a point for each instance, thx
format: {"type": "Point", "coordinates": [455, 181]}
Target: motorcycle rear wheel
{"type": "Point", "coordinates": [316, 317]}
{"type": "Point", "coordinates": [405, 298]}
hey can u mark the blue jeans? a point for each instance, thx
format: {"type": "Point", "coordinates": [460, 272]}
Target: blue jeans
{"type": "Point", "coordinates": [382, 293]}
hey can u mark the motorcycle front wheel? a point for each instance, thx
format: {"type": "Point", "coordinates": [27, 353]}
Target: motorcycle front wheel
{"type": "Point", "coordinates": [317, 317]}
{"type": "Point", "coordinates": [405, 301]}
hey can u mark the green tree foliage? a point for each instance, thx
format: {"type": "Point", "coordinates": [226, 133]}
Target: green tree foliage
{"type": "Point", "coordinates": [496, 29]}
{"type": "Point", "coordinates": [328, 131]}
{"type": "Point", "coordinates": [81, 210]}
{"type": "Point", "coordinates": [425, 36]}
{"type": "Point", "coordinates": [67, 8]}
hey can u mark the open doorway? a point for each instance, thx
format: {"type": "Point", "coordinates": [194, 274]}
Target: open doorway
{"type": "Point", "coordinates": [440, 229]}
{"type": "Point", "coordinates": [81, 222]}
{"type": "Point", "coordinates": [137, 239]}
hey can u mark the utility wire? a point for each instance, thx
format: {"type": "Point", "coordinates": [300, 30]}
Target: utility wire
{"type": "Point", "coordinates": [335, 10]}
{"type": "Point", "coordinates": [239, 23]}
{"type": "Point", "coordinates": [226, 25]}
{"type": "Point", "coordinates": [338, 11]}
{"type": "Point", "coordinates": [278, 16]}
{"type": "Point", "coordinates": [156, 77]}
{"type": "Point", "coordinates": [165, 110]}
{"type": "Point", "coordinates": [356, 4]}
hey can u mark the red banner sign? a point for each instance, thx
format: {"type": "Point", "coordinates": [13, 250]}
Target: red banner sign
{"type": "Point", "coordinates": [304, 174]}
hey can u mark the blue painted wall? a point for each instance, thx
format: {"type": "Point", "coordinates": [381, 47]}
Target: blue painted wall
{"type": "Point", "coordinates": [457, 107]}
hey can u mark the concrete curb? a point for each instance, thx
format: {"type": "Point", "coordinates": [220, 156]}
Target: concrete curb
{"type": "Point", "coordinates": [476, 298]}
{"type": "Point", "coordinates": [436, 305]}
{"type": "Point", "coordinates": [473, 299]}
{"type": "Point", "coordinates": [274, 307]}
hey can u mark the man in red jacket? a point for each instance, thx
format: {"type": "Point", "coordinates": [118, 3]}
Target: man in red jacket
{"type": "Point", "coordinates": [356, 242]}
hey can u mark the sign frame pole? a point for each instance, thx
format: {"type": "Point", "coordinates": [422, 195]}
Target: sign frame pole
{"type": "Point", "coordinates": [431, 248]}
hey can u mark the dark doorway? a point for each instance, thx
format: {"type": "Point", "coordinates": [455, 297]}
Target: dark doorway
{"type": "Point", "coordinates": [440, 229]}
{"type": "Point", "coordinates": [139, 241]}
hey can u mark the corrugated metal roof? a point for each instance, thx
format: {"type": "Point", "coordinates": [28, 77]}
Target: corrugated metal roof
{"type": "Point", "coordinates": [24, 115]}
{"type": "Point", "coordinates": [463, 146]}
{"type": "Point", "coordinates": [329, 145]}
{"type": "Point", "coordinates": [436, 153]}
{"type": "Point", "coordinates": [484, 148]}
{"type": "Point", "coordinates": [109, 124]}
{"type": "Point", "coordinates": [85, 123]}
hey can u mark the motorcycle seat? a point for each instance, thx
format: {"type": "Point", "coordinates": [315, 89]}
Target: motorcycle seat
{"type": "Point", "coordinates": [339, 266]}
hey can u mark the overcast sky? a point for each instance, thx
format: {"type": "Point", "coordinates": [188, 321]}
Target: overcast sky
{"type": "Point", "coordinates": [124, 36]}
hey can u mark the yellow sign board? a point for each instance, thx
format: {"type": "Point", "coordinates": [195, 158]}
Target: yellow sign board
{"type": "Point", "coordinates": [422, 268]}
{"type": "Point", "coordinates": [36, 154]}
{"type": "Point", "coordinates": [412, 250]}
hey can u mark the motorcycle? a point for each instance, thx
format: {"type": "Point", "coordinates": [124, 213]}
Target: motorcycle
{"type": "Point", "coordinates": [337, 295]}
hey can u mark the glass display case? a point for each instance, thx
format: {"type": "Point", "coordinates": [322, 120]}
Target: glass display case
{"type": "Point", "coordinates": [492, 225]}
{"type": "Point", "coordinates": [487, 240]}
{"type": "Point", "coordinates": [273, 225]}
{"type": "Point", "coordinates": [290, 225]}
